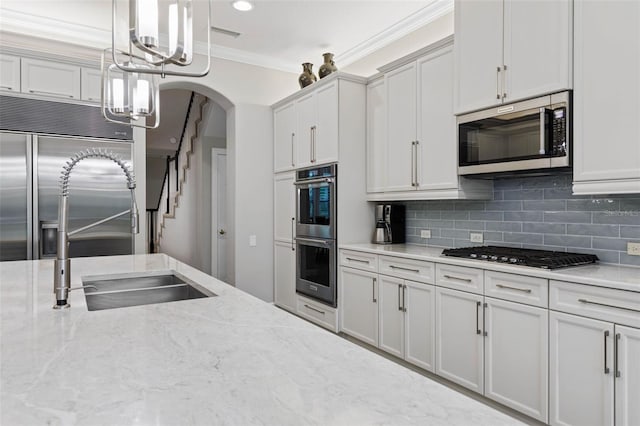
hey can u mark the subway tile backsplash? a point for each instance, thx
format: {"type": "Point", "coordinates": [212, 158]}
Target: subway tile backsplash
{"type": "Point", "coordinates": [533, 212]}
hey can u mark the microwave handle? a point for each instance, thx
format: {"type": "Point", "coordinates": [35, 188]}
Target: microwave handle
{"type": "Point", "coordinates": [546, 132]}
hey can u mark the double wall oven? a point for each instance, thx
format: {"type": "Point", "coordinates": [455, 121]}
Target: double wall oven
{"type": "Point", "coordinates": [316, 233]}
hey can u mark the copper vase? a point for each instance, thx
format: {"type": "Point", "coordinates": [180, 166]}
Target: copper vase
{"type": "Point", "coordinates": [328, 66]}
{"type": "Point", "coordinates": [307, 77]}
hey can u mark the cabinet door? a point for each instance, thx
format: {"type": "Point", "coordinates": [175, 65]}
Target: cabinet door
{"type": "Point", "coordinates": [537, 62]}
{"type": "Point", "coordinates": [50, 78]}
{"type": "Point", "coordinates": [376, 136]}
{"type": "Point", "coordinates": [459, 341]}
{"type": "Point", "coordinates": [91, 85]}
{"type": "Point", "coordinates": [628, 379]}
{"type": "Point", "coordinates": [325, 149]}
{"type": "Point", "coordinates": [306, 110]}
{"type": "Point", "coordinates": [607, 112]}
{"type": "Point", "coordinates": [284, 129]}
{"type": "Point", "coordinates": [359, 304]}
{"type": "Point", "coordinates": [284, 208]}
{"type": "Point", "coordinates": [420, 325]}
{"type": "Point", "coordinates": [580, 371]}
{"type": "Point", "coordinates": [285, 275]}
{"type": "Point", "coordinates": [516, 356]}
{"type": "Point", "coordinates": [437, 145]}
{"type": "Point", "coordinates": [478, 54]}
{"type": "Point", "coordinates": [10, 73]}
{"type": "Point", "coordinates": [391, 315]}
{"type": "Point", "coordinates": [401, 127]}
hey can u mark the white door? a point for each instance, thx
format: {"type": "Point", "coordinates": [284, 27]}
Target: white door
{"type": "Point", "coordinates": [516, 356]}
{"type": "Point", "coordinates": [325, 145]}
{"type": "Point", "coordinates": [359, 304]}
{"type": "Point", "coordinates": [628, 376]}
{"type": "Point", "coordinates": [284, 207]}
{"type": "Point", "coordinates": [420, 325]}
{"type": "Point", "coordinates": [477, 54]}
{"type": "Point", "coordinates": [459, 341]}
{"type": "Point", "coordinates": [284, 129]}
{"type": "Point", "coordinates": [219, 213]}
{"type": "Point", "coordinates": [401, 127]}
{"type": "Point", "coordinates": [391, 315]}
{"type": "Point", "coordinates": [306, 110]}
{"type": "Point", "coordinates": [580, 371]}
{"type": "Point", "coordinates": [437, 147]}
{"type": "Point", "coordinates": [285, 275]}
{"type": "Point", "coordinates": [376, 136]}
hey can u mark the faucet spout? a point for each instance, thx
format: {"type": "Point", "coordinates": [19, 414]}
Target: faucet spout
{"type": "Point", "coordinates": [62, 264]}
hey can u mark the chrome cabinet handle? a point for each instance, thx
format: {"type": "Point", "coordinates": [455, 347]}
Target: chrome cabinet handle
{"type": "Point", "coordinates": [478, 331]}
{"type": "Point", "coordinates": [351, 259]}
{"type": "Point", "coordinates": [525, 290]}
{"type": "Point", "coordinates": [415, 162]}
{"type": "Point", "coordinates": [314, 309]}
{"type": "Point", "coordinates": [42, 92]}
{"type": "Point", "coordinates": [399, 303]}
{"type": "Point", "coordinates": [293, 162]}
{"type": "Point", "coordinates": [607, 305]}
{"type": "Point", "coordinates": [451, 277]}
{"type": "Point", "coordinates": [504, 81]}
{"type": "Point", "coordinates": [484, 319]}
{"type": "Point", "coordinates": [606, 369]}
{"type": "Point", "coordinates": [615, 355]}
{"type": "Point", "coordinates": [293, 222]}
{"type": "Point", "coordinates": [404, 304]}
{"type": "Point", "coordinates": [498, 83]}
{"type": "Point", "coordinates": [373, 290]}
{"type": "Point", "coordinates": [313, 144]}
{"type": "Point", "coordinates": [404, 269]}
{"type": "Point", "coordinates": [413, 182]}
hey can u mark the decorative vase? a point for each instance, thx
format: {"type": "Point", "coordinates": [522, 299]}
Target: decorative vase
{"type": "Point", "coordinates": [328, 67]}
{"type": "Point", "coordinates": [307, 77]}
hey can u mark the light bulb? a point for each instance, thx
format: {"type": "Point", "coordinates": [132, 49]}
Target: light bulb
{"type": "Point", "coordinates": [173, 28]}
{"type": "Point", "coordinates": [117, 91]}
{"type": "Point", "coordinates": [147, 15]}
{"type": "Point", "coordinates": [141, 97]}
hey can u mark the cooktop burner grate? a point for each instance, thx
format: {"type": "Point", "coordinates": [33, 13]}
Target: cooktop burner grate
{"type": "Point", "coordinates": [545, 259]}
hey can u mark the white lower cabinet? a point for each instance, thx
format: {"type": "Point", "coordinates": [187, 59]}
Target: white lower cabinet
{"type": "Point", "coordinates": [627, 389]}
{"type": "Point", "coordinates": [359, 304]}
{"type": "Point", "coordinates": [285, 275]}
{"type": "Point", "coordinates": [459, 345]}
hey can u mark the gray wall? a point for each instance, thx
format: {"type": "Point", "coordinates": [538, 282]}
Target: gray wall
{"type": "Point", "coordinates": [534, 212]}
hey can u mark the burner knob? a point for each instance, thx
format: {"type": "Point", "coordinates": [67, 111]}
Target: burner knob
{"type": "Point", "coordinates": [494, 257]}
{"type": "Point", "coordinates": [513, 260]}
{"type": "Point", "coordinates": [484, 256]}
{"type": "Point", "coordinates": [473, 255]}
{"type": "Point", "coordinates": [504, 259]}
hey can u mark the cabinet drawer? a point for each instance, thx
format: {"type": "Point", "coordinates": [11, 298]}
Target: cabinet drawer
{"type": "Point", "coordinates": [619, 306]}
{"type": "Point", "coordinates": [517, 288]}
{"type": "Point", "coordinates": [460, 278]}
{"type": "Point", "coordinates": [415, 270]}
{"type": "Point", "coordinates": [359, 260]}
{"type": "Point", "coordinates": [318, 313]}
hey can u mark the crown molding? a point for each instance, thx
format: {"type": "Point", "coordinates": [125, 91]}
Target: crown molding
{"type": "Point", "coordinates": [435, 10]}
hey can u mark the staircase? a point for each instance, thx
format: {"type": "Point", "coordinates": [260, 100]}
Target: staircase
{"type": "Point", "coordinates": [172, 190]}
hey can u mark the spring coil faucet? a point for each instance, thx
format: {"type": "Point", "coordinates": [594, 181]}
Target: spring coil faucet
{"type": "Point", "coordinates": [62, 264]}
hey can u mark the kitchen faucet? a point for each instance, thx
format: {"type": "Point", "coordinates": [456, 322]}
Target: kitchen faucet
{"type": "Point", "coordinates": [62, 265]}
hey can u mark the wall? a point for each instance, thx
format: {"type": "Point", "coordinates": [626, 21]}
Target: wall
{"type": "Point", "coordinates": [534, 213]}
{"type": "Point", "coordinates": [156, 168]}
{"type": "Point", "coordinates": [140, 170]}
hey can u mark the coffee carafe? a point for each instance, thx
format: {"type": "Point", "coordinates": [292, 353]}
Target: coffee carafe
{"type": "Point", "coordinates": [390, 224]}
{"type": "Point", "coordinates": [382, 233]}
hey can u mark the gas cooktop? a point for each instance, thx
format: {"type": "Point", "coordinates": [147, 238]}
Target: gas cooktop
{"type": "Point", "coordinates": [545, 259]}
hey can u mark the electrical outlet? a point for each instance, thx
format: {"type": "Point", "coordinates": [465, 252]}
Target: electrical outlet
{"type": "Point", "coordinates": [633, 249]}
{"type": "Point", "coordinates": [425, 233]}
{"type": "Point", "coordinates": [476, 237]}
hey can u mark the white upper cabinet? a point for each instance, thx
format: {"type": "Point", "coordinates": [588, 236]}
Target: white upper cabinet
{"type": "Point", "coordinates": [376, 136]}
{"type": "Point", "coordinates": [91, 84]}
{"type": "Point", "coordinates": [607, 98]}
{"type": "Point", "coordinates": [9, 73]}
{"type": "Point", "coordinates": [306, 129]}
{"type": "Point", "coordinates": [317, 134]}
{"type": "Point", "coordinates": [48, 78]}
{"type": "Point", "coordinates": [507, 50]}
{"type": "Point", "coordinates": [284, 129]}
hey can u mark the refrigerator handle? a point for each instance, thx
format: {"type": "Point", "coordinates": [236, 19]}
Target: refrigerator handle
{"type": "Point", "coordinates": [30, 212]}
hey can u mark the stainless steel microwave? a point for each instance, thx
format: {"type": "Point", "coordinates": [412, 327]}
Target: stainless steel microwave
{"type": "Point", "coordinates": [527, 136]}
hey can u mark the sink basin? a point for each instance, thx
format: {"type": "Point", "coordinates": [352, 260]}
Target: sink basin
{"type": "Point", "coordinates": [124, 290]}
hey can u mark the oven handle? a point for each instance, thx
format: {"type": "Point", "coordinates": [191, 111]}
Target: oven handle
{"type": "Point", "coordinates": [314, 240]}
{"type": "Point", "coordinates": [312, 181]}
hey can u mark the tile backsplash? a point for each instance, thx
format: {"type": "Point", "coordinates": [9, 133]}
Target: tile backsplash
{"type": "Point", "coordinates": [533, 212]}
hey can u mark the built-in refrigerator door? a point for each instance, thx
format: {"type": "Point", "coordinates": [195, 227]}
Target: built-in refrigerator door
{"type": "Point", "coordinates": [15, 196]}
{"type": "Point", "coordinates": [97, 190]}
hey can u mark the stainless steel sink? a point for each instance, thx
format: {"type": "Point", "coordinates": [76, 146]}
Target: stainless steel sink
{"type": "Point", "coordinates": [124, 290]}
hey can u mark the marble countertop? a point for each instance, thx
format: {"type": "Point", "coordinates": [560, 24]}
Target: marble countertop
{"type": "Point", "coordinates": [601, 275]}
{"type": "Point", "coordinates": [226, 360]}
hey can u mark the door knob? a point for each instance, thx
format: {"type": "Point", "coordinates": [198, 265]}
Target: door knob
{"type": "Point", "coordinates": [221, 232]}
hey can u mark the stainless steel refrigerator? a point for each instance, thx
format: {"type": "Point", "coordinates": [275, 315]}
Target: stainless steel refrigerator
{"type": "Point", "coordinates": [30, 169]}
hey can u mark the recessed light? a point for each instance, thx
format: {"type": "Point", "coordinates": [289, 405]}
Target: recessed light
{"type": "Point", "coordinates": [173, 140]}
{"type": "Point", "coordinates": [242, 5]}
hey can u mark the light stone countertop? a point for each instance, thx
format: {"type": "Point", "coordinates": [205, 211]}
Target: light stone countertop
{"type": "Point", "coordinates": [601, 275]}
{"type": "Point", "coordinates": [226, 360]}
